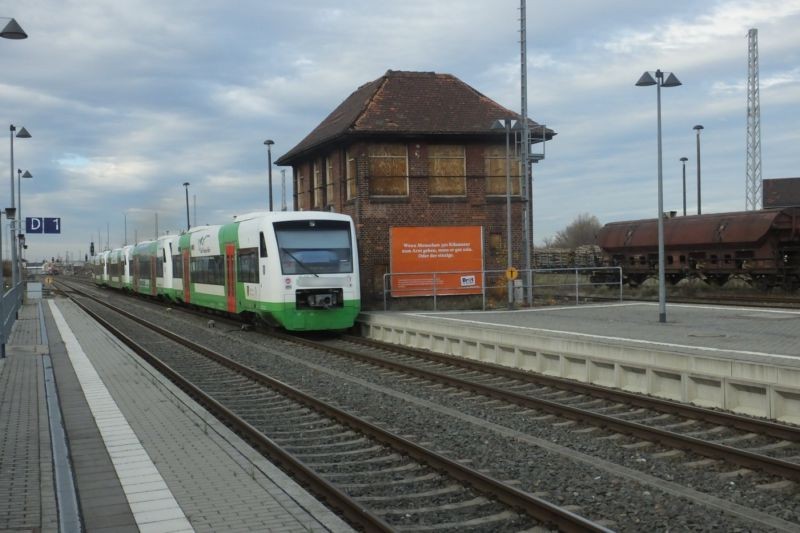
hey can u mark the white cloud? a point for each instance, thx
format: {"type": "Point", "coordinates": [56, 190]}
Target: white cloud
{"type": "Point", "coordinates": [127, 100]}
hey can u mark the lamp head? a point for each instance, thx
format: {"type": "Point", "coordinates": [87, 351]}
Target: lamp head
{"type": "Point", "coordinates": [23, 134]}
{"type": "Point", "coordinates": [646, 80]}
{"type": "Point", "coordinates": [185, 183]}
{"type": "Point", "coordinates": [27, 174]}
{"type": "Point", "coordinates": [13, 31]}
{"type": "Point", "coordinates": [698, 128]}
{"type": "Point", "coordinates": [671, 81]}
{"type": "Point", "coordinates": [684, 159]}
{"type": "Point", "coordinates": [11, 212]}
{"type": "Point", "coordinates": [269, 142]}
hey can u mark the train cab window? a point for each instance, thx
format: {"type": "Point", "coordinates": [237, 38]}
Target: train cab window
{"type": "Point", "coordinates": [262, 245]}
{"type": "Point", "coordinates": [314, 247]}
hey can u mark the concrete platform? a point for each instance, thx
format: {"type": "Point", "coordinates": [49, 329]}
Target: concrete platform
{"type": "Point", "coordinates": [141, 454]}
{"type": "Point", "coordinates": [742, 359]}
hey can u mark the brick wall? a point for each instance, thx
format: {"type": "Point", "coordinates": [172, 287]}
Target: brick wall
{"type": "Point", "coordinates": [375, 216]}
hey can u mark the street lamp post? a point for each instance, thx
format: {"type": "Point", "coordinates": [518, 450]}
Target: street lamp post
{"type": "Point", "coordinates": [12, 30]}
{"type": "Point", "coordinates": [21, 234]}
{"type": "Point", "coordinates": [22, 134]}
{"type": "Point", "coordinates": [697, 129]}
{"type": "Point", "coordinates": [186, 186]}
{"type": "Point", "coordinates": [269, 143]}
{"type": "Point", "coordinates": [684, 160]}
{"type": "Point", "coordinates": [671, 81]}
{"type": "Point", "coordinates": [507, 124]}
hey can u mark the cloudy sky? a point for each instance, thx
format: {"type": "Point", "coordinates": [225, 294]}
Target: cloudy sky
{"type": "Point", "coordinates": [125, 101]}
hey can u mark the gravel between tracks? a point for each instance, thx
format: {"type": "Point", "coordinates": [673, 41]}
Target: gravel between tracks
{"type": "Point", "coordinates": [504, 442]}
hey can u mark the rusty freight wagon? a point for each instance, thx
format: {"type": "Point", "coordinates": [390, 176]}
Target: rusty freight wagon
{"type": "Point", "coordinates": [760, 247]}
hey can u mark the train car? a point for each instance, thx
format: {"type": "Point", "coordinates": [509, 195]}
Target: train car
{"type": "Point", "coordinates": [143, 260]}
{"type": "Point", "coordinates": [169, 272]}
{"type": "Point", "coordinates": [119, 267]}
{"type": "Point", "coordinates": [761, 247]}
{"type": "Point", "coordinates": [203, 269]}
{"type": "Point", "coordinates": [297, 270]}
{"type": "Point", "coordinates": [100, 268]}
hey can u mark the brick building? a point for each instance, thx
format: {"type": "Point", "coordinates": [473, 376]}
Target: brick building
{"type": "Point", "coordinates": [411, 149]}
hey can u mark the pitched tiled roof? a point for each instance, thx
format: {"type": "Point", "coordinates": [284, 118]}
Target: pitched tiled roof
{"type": "Point", "coordinates": [418, 103]}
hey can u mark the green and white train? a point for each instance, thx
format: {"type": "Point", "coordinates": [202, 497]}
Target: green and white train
{"type": "Point", "coordinates": [297, 270]}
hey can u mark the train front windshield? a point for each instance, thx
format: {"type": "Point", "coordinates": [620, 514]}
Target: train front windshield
{"type": "Point", "coordinates": [314, 247]}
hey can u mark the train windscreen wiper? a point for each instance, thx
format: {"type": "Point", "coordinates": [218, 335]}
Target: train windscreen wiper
{"type": "Point", "coordinates": [306, 267]}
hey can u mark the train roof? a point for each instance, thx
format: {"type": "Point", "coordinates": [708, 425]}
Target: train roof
{"type": "Point", "coordinates": [280, 216]}
{"type": "Point", "coordinates": [733, 228]}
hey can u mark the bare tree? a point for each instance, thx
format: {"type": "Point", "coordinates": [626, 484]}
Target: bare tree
{"type": "Point", "coordinates": [582, 230]}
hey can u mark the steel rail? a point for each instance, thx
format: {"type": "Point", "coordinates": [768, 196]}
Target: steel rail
{"type": "Point", "coordinates": [778, 467]}
{"type": "Point", "coordinates": [349, 508]}
{"type": "Point", "coordinates": [744, 423]}
{"type": "Point", "coordinates": [534, 506]}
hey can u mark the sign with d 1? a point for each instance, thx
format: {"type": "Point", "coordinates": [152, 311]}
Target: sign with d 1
{"type": "Point", "coordinates": [42, 225]}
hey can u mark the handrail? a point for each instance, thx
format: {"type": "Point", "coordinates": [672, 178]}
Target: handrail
{"type": "Point", "coordinates": [10, 302]}
{"type": "Point", "coordinates": [431, 283]}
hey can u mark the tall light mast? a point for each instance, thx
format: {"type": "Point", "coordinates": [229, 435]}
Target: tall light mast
{"type": "Point", "coordinates": [527, 183]}
{"type": "Point", "coordinates": [753, 171]}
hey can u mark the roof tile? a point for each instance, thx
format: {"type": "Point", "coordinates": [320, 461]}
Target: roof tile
{"type": "Point", "coordinates": [402, 102]}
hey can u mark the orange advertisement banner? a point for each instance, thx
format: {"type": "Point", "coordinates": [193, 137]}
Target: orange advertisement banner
{"type": "Point", "coordinates": [444, 259]}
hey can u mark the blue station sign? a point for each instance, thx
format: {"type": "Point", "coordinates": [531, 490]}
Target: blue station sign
{"type": "Point", "coordinates": [42, 225]}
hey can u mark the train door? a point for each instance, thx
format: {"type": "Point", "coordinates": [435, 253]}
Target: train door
{"type": "Point", "coordinates": [186, 280]}
{"type": "Point", "coordinates": [230, 275]}
{"type": "Point", "coordinates": [153, 271]}
{"type": "Point", "coordinates": [135, 261]}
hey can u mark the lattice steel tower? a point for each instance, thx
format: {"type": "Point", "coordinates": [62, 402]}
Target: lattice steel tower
{"type": "Point", "coordinates": [753, 173]}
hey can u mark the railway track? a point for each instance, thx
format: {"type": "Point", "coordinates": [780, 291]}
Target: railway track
{"type": "Point", "coordinates": [378, 480]}
{"type": "Point", "coordinates": [746, 442]}
{"type": "Point", "coordinates": [723, 493]}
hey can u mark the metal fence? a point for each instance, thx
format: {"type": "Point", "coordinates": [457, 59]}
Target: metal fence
{"type": "Point", "coordinates": [10, 303]}
{"type": "Point", "coordinates": [491, 289]}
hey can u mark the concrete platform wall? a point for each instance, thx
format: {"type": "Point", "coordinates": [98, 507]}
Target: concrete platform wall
{"type": "Point", "coordinates": [754, 388]}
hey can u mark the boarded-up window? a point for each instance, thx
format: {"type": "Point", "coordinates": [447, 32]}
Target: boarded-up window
{"type": "Point", "coordinates": [318, 186]}
{"type": "Point", "coordinates": [351, 177]}
{"type": "Point", "coordinates": [447, 170]}
{"type": "Point", "coordinates": [329, 180]}
{"type": "Point", "coordinates": [388, 170]}
{"type": "Point", "coordinates": [300, 191]}
{"type": "Point", "coordinates": [496, 171]}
